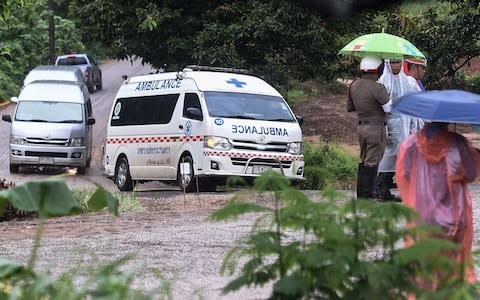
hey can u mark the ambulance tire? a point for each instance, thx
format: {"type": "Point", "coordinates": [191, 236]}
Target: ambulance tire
{"type": "Point", "coordinates": [123, 180]}
{"type": "Point", "coordinates": [187, 182]}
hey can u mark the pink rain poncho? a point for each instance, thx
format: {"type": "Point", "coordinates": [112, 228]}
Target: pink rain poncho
{"type": "Point", "coordinates": [432, 178]}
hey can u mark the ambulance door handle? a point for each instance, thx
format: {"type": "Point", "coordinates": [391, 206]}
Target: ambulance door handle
{"type": "Point", "coordinates": [180, 126]}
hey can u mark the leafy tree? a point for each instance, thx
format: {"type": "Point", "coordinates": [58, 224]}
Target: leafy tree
{"type": "Point", "coordinates": [278, 39]}
{"type": "Point", "coordinates": [24, 43]}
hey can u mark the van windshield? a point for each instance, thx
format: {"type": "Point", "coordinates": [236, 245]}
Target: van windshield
{"type": "Point", "coordinates": [247, 106]}
{"type": "Point", "coordinates": [49, 111]}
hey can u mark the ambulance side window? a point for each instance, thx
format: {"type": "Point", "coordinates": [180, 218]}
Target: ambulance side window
{"type": "Point", "coordinates": [192, 108]}
{"type": "Point", "coordinates": [145, 110]}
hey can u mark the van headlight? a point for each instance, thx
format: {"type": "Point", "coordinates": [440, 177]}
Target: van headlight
{"type": "Point", "coordinates": [76, 142]}
{"type": "Point", "coordinates": [19, 140]}
{"type": "Point", "coordinates": [216, 143]}
{"type": "Point", "coordinates": [294, 148]}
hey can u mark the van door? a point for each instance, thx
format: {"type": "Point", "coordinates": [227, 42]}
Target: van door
{"type": "Point", "coordinates": [192, 127]}
{"type": "Point", "coordinates": [88, 131]}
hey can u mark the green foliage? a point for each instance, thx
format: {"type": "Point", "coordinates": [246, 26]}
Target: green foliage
{"type": "Point", "coordinates": [467, 82]}
{"type": "Point", "coordinates": [127, 202]}
{"type": "Point", "coordinates": [278, 40]}
{"type": "Point", "coordinates": [327, 165]}
{"type": "Point", "coordinates": [53, 198]}
{"type": "Point", "coordinates": [25, 44]}
{"type": "Point", "coordinates": [448, 34]}
{"type": "Point", "coordinates": [337, 249]}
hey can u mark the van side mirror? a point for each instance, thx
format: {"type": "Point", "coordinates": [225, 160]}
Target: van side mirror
{"type": "Point", "coordinates": [91, 121]}
{"type": "Point", "coordinates": [300, 120]}
{"type": "Point", "coordinates": [14, 99]}
{"type": "Point", "coordinates": [194, 113]}
{"type": "Point", "coordinates": [7, 118]}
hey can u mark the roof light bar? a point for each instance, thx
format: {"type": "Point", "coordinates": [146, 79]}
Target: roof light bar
{"type": "Point", "coordinates": [190, 68]}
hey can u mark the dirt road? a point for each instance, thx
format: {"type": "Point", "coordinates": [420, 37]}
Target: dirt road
{"type": "Point", "coordinates": [112, 72]}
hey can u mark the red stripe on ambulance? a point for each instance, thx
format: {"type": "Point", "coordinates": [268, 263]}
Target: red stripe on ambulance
{"type": "Point", "coordinates": [154, 139]}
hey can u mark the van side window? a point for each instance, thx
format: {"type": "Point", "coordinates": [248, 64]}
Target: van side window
{"type": "Point", "coordinates": [192, 101]}
{"type": "Point", "coordinates": [156, 109]}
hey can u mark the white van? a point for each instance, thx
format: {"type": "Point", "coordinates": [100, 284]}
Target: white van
{"type": "Point", "coordinates": [180, 126]}
{"type": "Point", "coordinates": [51, 126]}
{"type": "Point", "coordinates": [52, 72]}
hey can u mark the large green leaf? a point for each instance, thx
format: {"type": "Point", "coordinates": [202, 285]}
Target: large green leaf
{"type": "Point", "coordinates": [101, 199]}
{"type": "Point", "coordinates": [8, 268]}
{"type": "Point", "coordinates": [50, 197]}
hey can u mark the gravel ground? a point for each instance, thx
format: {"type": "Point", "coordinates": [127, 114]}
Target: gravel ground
{"type": "Point", "coordinates": [172, 236]}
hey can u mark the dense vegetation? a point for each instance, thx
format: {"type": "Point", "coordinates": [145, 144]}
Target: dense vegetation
{"type": "Point", "coordinates": [279, 40]}
{"type": "Point", "coordinates": [337, 248]}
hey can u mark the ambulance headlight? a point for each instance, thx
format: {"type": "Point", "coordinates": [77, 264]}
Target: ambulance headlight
{"type": "Point", "coordinates": [18, 140]}
{"type": "Point", "coordinates": [294, 148]}
{"type": "Point", "coordinates": [76, 142]}
{"type": "Point", "coordinates": [216, 143]}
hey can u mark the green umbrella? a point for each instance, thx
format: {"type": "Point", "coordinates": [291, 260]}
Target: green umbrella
{"type": "Point", "coordinates": [383, 45]}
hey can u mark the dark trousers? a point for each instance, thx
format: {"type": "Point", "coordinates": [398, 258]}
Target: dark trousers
{"type": "Point", "coordinates": [366, 181]}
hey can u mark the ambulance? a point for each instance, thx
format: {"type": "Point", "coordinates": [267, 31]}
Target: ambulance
{"type": "Point", "coordinates": [198, 126]}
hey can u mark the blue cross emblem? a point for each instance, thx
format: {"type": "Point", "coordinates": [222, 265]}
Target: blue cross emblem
{"type": "Point", "coordinates": [238, 84]}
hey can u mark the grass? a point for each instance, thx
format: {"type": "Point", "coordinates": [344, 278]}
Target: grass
{"type": "Point", "coordinates": [128, 202]}
{"type": "Point", "coordinates": [329, 165]}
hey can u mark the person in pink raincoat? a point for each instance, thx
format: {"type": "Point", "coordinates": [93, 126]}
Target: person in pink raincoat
{"type": "Point", "coordinates": [434, 167]}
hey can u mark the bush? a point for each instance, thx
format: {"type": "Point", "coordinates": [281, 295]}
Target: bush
{"type": "Point", "coordinates": [328, 165]}
{"type": "Point", "coordinates": [336, 248]}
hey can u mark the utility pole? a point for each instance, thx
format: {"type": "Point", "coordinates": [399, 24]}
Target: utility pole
{"type": "Point", "coordinates": [51, 32]}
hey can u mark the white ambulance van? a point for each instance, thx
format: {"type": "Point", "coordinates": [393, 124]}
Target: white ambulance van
{"type": "Point", "coordinates": [199, 126]}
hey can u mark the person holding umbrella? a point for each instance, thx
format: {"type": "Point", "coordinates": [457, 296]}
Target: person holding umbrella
{"type": "Point", "coordinates": [370, 101]}
{"type": "Point", "coordinates": [399, 126]}
{"type": "Point", "coordinates": [434, 167]}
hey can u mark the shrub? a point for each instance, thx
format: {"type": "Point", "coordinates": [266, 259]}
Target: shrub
{"type": "Point", "coordinates": [335, 248]}
{"type": "Point", "coordinates": [328, 165]}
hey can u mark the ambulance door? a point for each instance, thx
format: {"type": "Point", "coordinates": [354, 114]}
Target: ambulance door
{"type": "Point", "coordinates": [192, 127]}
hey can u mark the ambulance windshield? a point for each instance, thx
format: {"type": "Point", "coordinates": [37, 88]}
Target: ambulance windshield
{"type": "Point", "coordinates": [247, 106]}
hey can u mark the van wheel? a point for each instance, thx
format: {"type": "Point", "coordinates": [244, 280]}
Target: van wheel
{"type": "Point", "coordinates": [14, 168]}
{"type": "Point", "coordinates": [186, 181]}
{"type": "Point", "coordinates": [122, 175]}
{"type": "Point", "coordinates": [99, 85]}
{"type": "Point", "coordinates": [90, 88]}
{"type": "Point", "coordinates": [81, 170]}
{"type": "Point", "coordinates": [89, 161]}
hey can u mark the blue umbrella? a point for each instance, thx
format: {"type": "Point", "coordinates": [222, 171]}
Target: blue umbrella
{"type": "Point", "coordinates": [450, 106]}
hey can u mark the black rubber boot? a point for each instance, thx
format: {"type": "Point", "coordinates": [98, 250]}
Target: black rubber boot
{"type": "Point", "coordinates": [383, 183]}
{"type": "Point", "coordinates": [365, 181]}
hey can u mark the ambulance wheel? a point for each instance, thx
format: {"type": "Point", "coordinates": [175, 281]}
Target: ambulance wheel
{"type": "Point", "coordinates": [186, 181]}
{"type": "Point", "coordinates": [122, 175]}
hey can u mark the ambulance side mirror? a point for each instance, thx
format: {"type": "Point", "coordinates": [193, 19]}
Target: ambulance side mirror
{"type": "Point", "coordinates": [300, 120]}
{"type": "Point", "coordinates": [194, 113]}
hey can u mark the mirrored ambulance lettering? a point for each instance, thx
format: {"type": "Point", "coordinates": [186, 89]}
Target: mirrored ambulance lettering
{"type": "Point", "coordinates": [246, 129]}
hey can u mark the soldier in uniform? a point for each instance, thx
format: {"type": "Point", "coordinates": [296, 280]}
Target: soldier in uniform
{"type": "Point", "coordinates": [370, 100]}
